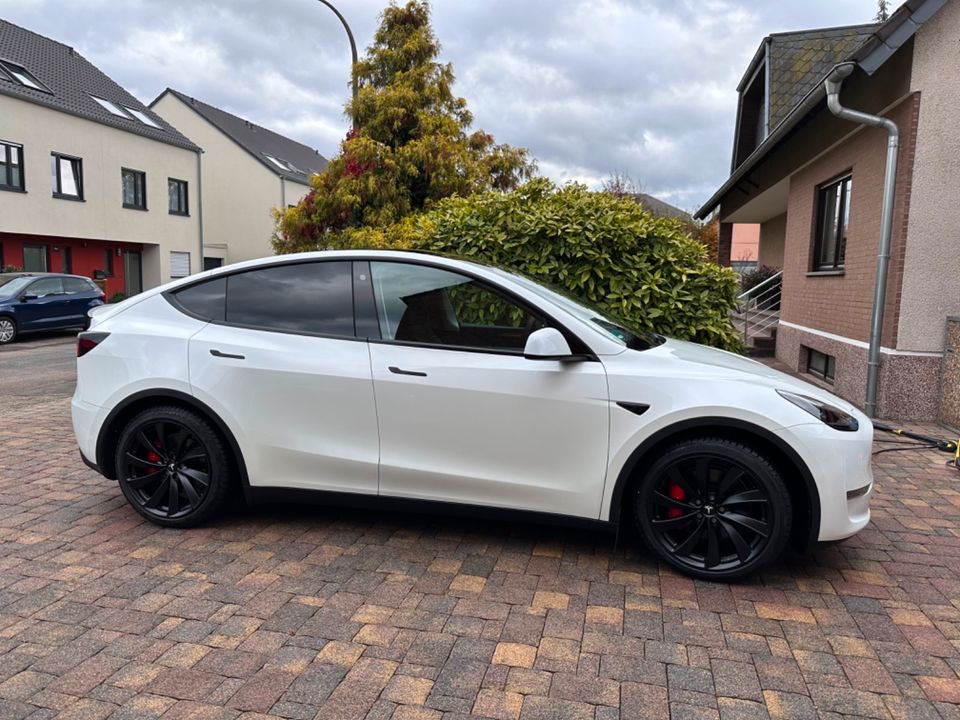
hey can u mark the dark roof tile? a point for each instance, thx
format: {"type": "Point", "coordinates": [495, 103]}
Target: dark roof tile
{"type": "Point", "coordinates": [799, 60]}
{"type": "Point", "coordinates": [72, 79]}
{"type": "Point", "coordinates": [258, 141]}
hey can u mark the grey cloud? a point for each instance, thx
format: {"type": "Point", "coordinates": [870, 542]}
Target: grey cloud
{"type": "Point", "coordinates": [642, 87]}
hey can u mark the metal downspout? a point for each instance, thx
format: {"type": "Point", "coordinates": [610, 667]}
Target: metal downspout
{"type": "Point", "coordinates": [832, 84]}
{"type": "Point", "coordinates": [200, 202]}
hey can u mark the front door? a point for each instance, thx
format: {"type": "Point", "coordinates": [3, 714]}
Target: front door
{"type": "Point", "coordinates": [285, 370]}
{"type": "Point", "coordinates": [132, 273]}
{"type": "Point", "coordinates": [44, 305]}
{"type": "Point", "coordinates": [35, 258]}
{"type": "Point", "coordinates": [463, 416]}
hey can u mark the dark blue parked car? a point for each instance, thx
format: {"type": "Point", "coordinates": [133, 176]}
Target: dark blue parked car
{"type": "Point", "coordinates": [44, 301]}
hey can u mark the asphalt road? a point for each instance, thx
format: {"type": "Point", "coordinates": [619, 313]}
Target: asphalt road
{"type": "Point", "coordinates": [40, 365]}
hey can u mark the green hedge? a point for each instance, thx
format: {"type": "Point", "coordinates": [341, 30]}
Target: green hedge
{"type": "Point", "coordinates": [607, 250]}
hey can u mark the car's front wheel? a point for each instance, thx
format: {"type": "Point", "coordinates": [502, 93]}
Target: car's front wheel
{"type": "Point", "coordinates": [713, 508]}
{"type": "Point", "coordinates": [173, 466]}
{"type": "Point", "coordinates": [8, 330]}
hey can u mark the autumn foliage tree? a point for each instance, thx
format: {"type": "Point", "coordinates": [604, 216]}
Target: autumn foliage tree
{"type": "Point", "coordinates": [413, 145]}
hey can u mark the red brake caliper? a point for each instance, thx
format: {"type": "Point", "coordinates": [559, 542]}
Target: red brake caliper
{"type": "Point", "coordinates": [676, 493]}
{"type": "Point", "coordinates": [152, 457]}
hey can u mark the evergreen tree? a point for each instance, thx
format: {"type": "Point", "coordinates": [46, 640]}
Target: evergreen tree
{"type": "Point", "coordinates": [883, 11]}
{"type": "Point", "coordinates": [412, 146]}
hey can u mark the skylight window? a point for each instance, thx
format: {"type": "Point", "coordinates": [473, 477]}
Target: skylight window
{"type": "Point", "coordinates": [279, 163]}
{"type": "Point", "coordinates": [142, 117]}
{"type": "Point", "coordinates": [20, 74]}
{"type": "Point", "coordinates": [110, 107]}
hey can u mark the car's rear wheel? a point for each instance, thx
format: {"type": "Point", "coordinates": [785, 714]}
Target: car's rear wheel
{"type": "Point", "coordinates": [173, 466]}
{"type": "Point", "coordinates": [8, 330]}
{"type": "Point", "coordinates": [713, 508]}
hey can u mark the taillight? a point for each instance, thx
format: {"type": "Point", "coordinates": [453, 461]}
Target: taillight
{"type": "Point", "coordinates": [87, 341]}
{"type": "Point", "coordinates": [103, 298]}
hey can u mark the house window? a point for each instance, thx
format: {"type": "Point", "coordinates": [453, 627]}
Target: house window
{"type": "Point", "coordinates": [108, 262]}
{"type": "Point", "coordinates": [67, 176]}
{"type": "Point", "coordinates": [134, 189]}
{"type": "Point", "coordinates": [822, 365]}
{"type": "Point", "coordinates": [177, 192]}
{"type": "Point", "coordinates": [11, 166]}
{"type": "Point", "coordinates": [833, 217]}
{"type": "Point", "coordinates": [20, 74]}
{"type": "Point", "coordinates": [179, 264]}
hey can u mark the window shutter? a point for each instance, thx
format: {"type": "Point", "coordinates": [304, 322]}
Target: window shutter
{"type": "Point", "coordinates": [179, 264]}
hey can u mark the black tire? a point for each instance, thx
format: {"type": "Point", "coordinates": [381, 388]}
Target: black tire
{"type": "Point", "coordinates": [8, 329]}
{"type": "Point", "coordinates": [173, 467]}
{"type": "Point", "coordinates": [713, 509]}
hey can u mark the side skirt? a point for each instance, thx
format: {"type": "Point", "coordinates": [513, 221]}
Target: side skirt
{"type": "Point", "coordinates": [256, 496]}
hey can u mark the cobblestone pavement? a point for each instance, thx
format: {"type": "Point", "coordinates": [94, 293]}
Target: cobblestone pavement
{"type": "Point", "coordinates": [298, 613]}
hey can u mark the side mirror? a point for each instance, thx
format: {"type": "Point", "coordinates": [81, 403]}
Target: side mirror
{"type": "Point", "coordinates": [547, 344]}
{"type": "Point", "coordinates": [27, 297]}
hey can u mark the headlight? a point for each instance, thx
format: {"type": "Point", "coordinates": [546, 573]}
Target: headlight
{"type": "Point", "coordinates": [832, 416]}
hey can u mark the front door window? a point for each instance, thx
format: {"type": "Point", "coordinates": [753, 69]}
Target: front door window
{"type": "Point", "coordinates": [430, 306]}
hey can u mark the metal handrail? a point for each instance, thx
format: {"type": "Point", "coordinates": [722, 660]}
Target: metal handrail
{"type": "Point", "coordinates": [768, 281]}
{"type": "Point", "coordinates": [769, 293]}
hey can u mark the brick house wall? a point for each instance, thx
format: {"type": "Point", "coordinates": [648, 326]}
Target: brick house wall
{"type": "Point", "coordinates": [832, 313]}
{"type": "Point", "coordinates": [813, 301]}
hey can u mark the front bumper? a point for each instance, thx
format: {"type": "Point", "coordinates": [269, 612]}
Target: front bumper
{"type": "Point", "coordinates": [840, 463]}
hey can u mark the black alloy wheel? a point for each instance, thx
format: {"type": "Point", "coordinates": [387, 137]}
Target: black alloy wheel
{"type": "Point", "coordinates": [172, 466]}
{"type": "Point", "coordinates": [714, 509]}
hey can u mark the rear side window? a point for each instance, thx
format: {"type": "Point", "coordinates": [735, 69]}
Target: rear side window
{"type": "Point", "coordinates": [206, 300]}
{"type": "Point", "coordinates": [314, 298]}
{"type": "Point", "coordinates": [72, 286]}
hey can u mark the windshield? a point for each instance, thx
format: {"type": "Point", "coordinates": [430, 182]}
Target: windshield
{"type": "Point", "coordinates": [10, 286]}
{"type": "Point", "coordinates": [617, 328]}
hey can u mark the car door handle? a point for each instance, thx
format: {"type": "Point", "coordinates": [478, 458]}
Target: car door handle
{"type": "Point", "coordinates": [217, 353]}
{"type": "Point", "coordinates": [398, 371]}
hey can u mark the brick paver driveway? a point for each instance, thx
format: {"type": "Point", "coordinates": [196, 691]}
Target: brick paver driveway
{"type": "Point", "coordinates": [304, 613]}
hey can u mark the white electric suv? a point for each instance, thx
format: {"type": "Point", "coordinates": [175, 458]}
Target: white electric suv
{"type": "Point", "coordinates": [393, 377]}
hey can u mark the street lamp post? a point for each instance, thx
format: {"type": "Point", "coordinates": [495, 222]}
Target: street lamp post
{"type": "Point", "coordinates": [353, 51]}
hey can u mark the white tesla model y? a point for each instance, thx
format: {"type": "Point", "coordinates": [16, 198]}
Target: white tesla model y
{"type": "Point", "coordinates": [396, 378]}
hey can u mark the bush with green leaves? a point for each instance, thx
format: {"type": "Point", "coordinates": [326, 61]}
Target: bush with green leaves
{"type": "Point", "coordinates": [608, 251]}
{"type": "Point", "coordinates": [751, 278]}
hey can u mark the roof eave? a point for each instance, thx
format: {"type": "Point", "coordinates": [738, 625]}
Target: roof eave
{"type": "Point", "coordinates": [175, 142]}
{"type": "Point", "coordinates": [185, 100]}
{"type": "Point", "coordinates": [874, 52]}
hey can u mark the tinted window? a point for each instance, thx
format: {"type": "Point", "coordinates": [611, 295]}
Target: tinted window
{"type": "Point", "coordinates": [72, 286]}
{"type": "Point", "coordinates": [46, 286]}
{"type": "Point", "coordinates": [422, 304]}
{"type": "Point", "coordinates": [309, 297]}
{"type": "Point", "coordinates": [207, 300]}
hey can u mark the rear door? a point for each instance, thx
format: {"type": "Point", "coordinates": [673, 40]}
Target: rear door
{"type": "Point", "coordinates": [281, 364]}
{"type": "Point", "coordinates": [81, 295]}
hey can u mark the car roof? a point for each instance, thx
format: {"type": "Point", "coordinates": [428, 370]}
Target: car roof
{"type": "Point", "coordinates": [42, 274]}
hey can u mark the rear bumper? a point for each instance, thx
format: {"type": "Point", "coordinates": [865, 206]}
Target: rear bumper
{"type": "Point", "coordinates": [89, 463]}
{"type": "Point", "coordinates": [87, 419]}
{"type": "Point", "coordinates": [840, 463]}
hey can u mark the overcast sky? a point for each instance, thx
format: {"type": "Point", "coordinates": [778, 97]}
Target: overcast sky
{"type": "Point", "coordinates": [646, 88]}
